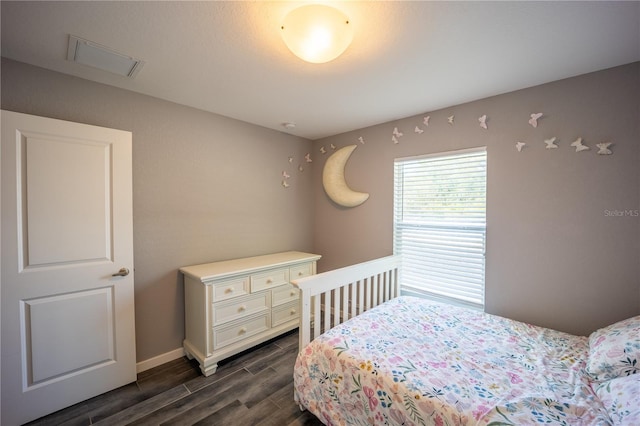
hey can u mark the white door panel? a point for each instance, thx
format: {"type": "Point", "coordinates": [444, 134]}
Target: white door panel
{"type": "Point", "coordinates": [67, 322]}
{"type": "Point", "coordinates": [81, 208]}
{"type": "Point", "coordinates": [90, 340]}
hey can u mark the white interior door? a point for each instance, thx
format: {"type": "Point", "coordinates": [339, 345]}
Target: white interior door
{"type": "Point", "coordinates": [67, 322]}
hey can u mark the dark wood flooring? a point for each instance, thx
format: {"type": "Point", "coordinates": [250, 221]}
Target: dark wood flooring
{"type": "Point", "coordinates": [253, 388]}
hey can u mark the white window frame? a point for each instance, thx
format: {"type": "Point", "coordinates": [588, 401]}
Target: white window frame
{"type": "Point", "coordinates": [442, 243]}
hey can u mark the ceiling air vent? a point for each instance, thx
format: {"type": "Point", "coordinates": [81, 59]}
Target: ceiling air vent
{"type": "Point", "coordinates": [94, 55]}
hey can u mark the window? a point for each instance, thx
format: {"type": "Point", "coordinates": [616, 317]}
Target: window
{"type": "Point", "coordinates": [440, 225]}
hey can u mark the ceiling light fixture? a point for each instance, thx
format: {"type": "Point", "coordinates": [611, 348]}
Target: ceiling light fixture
{"type": "Point", "coordinates": [317, 33]}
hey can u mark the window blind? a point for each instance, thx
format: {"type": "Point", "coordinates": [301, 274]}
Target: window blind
{"type": "Point", "coordinates": [440, 224]}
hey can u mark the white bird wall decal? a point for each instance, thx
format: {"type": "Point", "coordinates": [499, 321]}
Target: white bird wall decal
{"type": "Point", "coordinates": [425, 120]}
{"type": "Point", "coordinates": [450, 119]}
{"type": "Point", "coordinates": [397, 133]}
{"type": "Point", "coordinates": [483, 121]}
{"type": "Point", "coordinates": [322, 150]}
{"type": "Point", "coordinates": [520, 145]}
{"type": "Point", "coordinates": [418, 130]}
{"type": "Point", "coordinates": [307, 157]}
{"type": "Point", "coordinates": [603, 148]}
{"type": "Point", "coordinates": [534, 119]}
{"type": "Point", "coordinates": [361, 140]}
{"type": "Point", "coordinates": [579, 146]}
{"type": "Point", "coordinates": [551, 143]}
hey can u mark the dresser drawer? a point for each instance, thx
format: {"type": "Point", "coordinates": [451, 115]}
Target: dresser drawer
{"type": "Point", "coordinates": [240, 307]}
{"type": "Point", "coordinates": [285, 313]}
{"type": "Point", "coordinates": [299, 271]}
{"type": "Point", "coordinates": [228, 289]}
{"type": "Point", "coordinates": [284, 294]}
{"type": "Point", "coordinates": [270, 279]}
{"type": "Point", "coordinates": [228, 334]}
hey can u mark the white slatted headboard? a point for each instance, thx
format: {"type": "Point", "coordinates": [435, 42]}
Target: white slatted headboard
{"type": "Point", "coordinates": [330, 298]}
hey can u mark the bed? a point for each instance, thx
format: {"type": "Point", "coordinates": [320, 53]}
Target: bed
{"type": "Point", "coordinates": [369, 356]}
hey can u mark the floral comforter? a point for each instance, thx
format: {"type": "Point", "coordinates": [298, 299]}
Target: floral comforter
{"type": "Point", "coordinates": [414, 362]}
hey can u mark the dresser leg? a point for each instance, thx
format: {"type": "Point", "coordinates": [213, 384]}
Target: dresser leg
{"type": "Point", "coordinates": [209, 370]}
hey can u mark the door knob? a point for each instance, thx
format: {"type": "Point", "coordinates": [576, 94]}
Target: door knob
{"type": "Point", "coordinates": [123, 272]}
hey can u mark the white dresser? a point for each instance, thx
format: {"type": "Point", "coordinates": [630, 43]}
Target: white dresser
{"type": "Point", "coordinates": [235, 304]}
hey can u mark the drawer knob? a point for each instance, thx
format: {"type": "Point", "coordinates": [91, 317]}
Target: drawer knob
{"type": "Point", "coordinates": [229, 290]}
{"type": "Point", "coordinates": [242, 308]}
{"type": "Point", "coordinates": [242, 330]}
{"type": "Point", "coordinates": [293, 311]}
{"type": "Point", "coordinates": [300, 273]}
{"type": "Point", "coordinates": [269, 280]}
{"type": "Point", "coordinates": [293, 293]}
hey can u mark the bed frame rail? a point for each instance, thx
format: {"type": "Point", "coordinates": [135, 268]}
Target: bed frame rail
{"type": "Point", "coordinates": [330, 298]}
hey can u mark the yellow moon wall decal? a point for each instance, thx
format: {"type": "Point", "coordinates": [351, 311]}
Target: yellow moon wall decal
{"type": "Point", "coordinates": [334, 182]}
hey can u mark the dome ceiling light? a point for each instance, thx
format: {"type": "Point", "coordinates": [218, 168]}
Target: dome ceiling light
{"type": "Point", "coordinates": [317, 33]}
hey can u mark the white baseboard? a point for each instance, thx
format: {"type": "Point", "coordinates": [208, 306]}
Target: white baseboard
{"type": "Point", "coordinates": [159, 360]}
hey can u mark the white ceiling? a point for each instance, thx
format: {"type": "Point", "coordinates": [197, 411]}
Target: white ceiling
{"type": "Point", "coordinates": [406, 58]}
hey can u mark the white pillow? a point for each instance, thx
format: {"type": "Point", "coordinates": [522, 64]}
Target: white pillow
{"type": "Point", "coordinates": [614, 351]}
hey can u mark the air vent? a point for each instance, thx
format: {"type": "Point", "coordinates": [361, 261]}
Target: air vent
{"type": "Point", "coordinates": [94, 55]}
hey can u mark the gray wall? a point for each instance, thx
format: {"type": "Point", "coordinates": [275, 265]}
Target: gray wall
{"type": "Point", "coordinates": [556, 255]}
{"type": "Point", "coordinates": [205, 187]}
{"type": "Point", "coordinates": [208, 188]}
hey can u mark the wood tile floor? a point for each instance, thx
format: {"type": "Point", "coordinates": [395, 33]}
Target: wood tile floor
{"type": "Point", "coordinates": [253, 388]}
